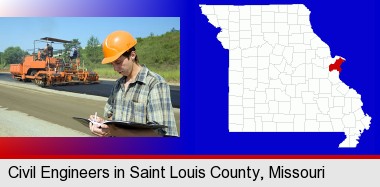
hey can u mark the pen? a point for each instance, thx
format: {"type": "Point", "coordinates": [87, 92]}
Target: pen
{"type": "Point", "coordinates": [95, 122]}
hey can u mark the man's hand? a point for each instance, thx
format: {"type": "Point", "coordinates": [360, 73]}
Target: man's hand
{"type": "Point", "coordinates": [97, 127]}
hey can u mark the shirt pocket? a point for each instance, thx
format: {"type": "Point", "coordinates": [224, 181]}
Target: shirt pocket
{"type": "Point", "coordinates": [136, 112]}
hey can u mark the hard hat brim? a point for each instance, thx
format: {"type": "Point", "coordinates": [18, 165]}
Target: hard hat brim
{"type": "Point", "coordinates": [112, 58]}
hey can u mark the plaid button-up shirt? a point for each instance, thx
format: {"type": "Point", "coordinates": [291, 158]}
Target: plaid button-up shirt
{"type": "Point", "coordinates": [147, 99]}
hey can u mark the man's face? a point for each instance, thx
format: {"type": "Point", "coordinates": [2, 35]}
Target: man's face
{"type": "Point", "coordinates": [123, 65]}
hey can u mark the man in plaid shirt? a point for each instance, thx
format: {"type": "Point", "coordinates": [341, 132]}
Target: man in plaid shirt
{"type": "Point", "coordinates": [140, 96]}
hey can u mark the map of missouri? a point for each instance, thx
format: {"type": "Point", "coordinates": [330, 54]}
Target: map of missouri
{"type": "Point", "coordinates": [282, 77]}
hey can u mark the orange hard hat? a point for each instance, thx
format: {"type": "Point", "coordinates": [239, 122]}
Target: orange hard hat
{"type": "Point", "coordinates": [116, 44]}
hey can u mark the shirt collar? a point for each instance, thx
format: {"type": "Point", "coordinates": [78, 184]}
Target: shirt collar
{"type": "Point", "coordinates": [141, 76]}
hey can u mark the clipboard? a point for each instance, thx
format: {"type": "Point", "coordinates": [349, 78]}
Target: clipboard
{"type": "Point", "coordinates": [123, 124]}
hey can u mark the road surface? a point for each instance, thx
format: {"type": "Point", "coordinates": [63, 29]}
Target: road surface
{"type": "Point", "coordinates": [28, 110]}
{"type": "Point", "coordinates": [103, 89]}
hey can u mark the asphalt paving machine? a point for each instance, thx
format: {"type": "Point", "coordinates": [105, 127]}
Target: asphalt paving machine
{"type": "Point", "coordinates": [46, 67]}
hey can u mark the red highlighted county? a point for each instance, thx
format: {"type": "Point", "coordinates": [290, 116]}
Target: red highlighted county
{"type": "Point", "coordinates": [336, 65]}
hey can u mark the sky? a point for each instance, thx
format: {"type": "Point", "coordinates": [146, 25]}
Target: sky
{"type": "Point", "coordinates": [22, 32]}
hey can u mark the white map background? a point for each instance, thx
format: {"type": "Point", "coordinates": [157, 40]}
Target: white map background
{"type": "Point", "coordinates": [279, 78]}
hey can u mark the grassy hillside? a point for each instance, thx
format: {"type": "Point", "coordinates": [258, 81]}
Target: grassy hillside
{"type": "Point", "coordinates": [159, 53]}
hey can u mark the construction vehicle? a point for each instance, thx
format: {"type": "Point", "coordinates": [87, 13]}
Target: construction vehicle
{"type": "Point", "coordinates": [46, 69]}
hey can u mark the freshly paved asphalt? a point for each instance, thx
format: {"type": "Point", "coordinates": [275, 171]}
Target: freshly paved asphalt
{"type": "Point", "coordinates": [102, 89]}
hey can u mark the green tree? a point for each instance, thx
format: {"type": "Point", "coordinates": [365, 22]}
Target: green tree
{"type": "Point", "coordinates": [13, 55]}
{"type": "Point", "coordinates": [174, 30]}
{"type": "Point", "coordinates": [93, 51]}
{"type": "Point", "coordinates": [1, 58]}
{"type": "Point", "coordinates": [68, 46]}
{"type": "Point", "coordinates": [2, 62]}
{"type": "Point", "coordinates": [74, 43]}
